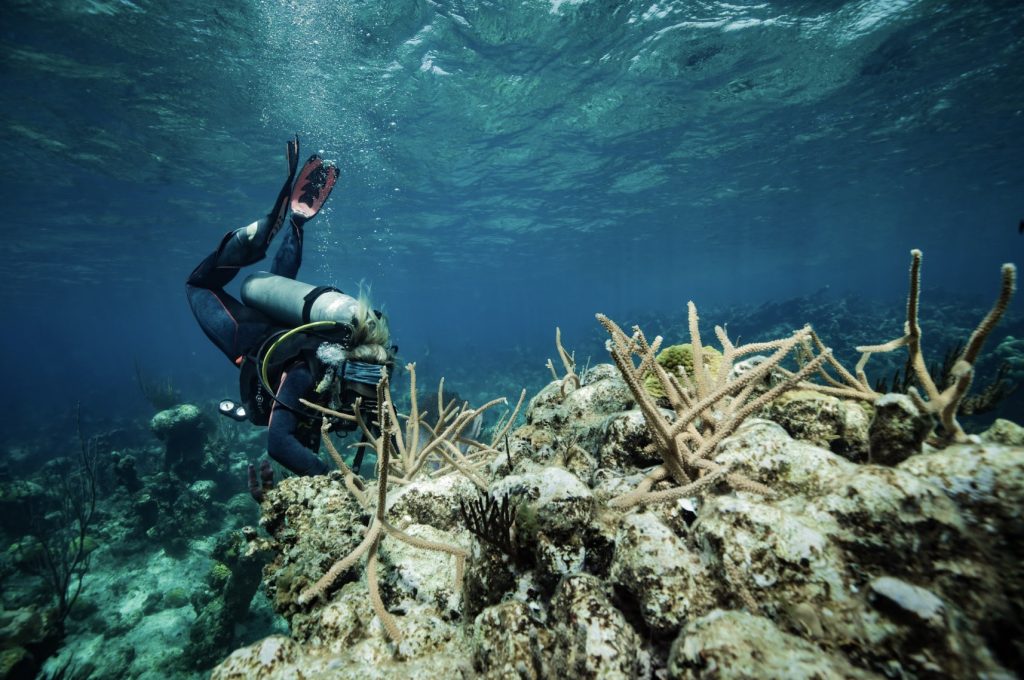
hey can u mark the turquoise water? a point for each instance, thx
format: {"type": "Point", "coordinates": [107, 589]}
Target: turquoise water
{"type": "Point", "coordinates": [505, 168]}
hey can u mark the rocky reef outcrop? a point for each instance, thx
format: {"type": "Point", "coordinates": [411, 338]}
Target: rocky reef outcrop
{"type": "Point", "coordinates": [848, 568]}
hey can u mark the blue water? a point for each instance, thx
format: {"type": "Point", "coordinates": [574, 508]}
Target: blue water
{"type": "Point", "coordinates": [506, 168]}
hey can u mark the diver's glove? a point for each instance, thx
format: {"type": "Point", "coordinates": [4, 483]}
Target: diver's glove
{"type": "Point", "coordinates": [257, 487]}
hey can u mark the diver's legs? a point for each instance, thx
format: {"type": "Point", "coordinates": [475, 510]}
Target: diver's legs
{"type": "Point", "coordinates": [289, 254]}
{"type": "Point", "coordinates": [311, 191]}
{"type": "Point", "coordinates": [234, 328]}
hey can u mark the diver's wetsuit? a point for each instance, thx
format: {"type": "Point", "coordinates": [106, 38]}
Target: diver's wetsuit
{"type": "Point", "coordinates": [239, 330]}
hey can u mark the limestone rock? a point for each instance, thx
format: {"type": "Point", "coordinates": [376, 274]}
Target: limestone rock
{"type": "Point", "coordinates": [898, 430]}
{"type": "Point", "coordinates": [881, 512]}
{"type": "Point", "coordinates": [508, 642]}
{"type": "Point", "coordinates": [555, 508]}
{"type": "Point", "coordinates": [765, 452]}
{"type": "Point", "coordinates": [431, 501]}
{"type": "Point", "coordinates": [183, 429]}
{"type": "Point", "coordinates": [838, 425]}
{"type": "Point", "coordinates": [1004, 432]}
{"type": "Point", "coordinates": [427, 576]}
{"type": "Point", "coordinates": [262, 660]}
{"type": "Point", "coordinates": [592, 637]}
{"type": "Point", "coordinates": [764, 554]}
{"type": "Point", "coordinates": [986, 482]}
{"type": "Point", "coordinates": [554, 418]}
{"type": "Point", "coordinates": [666, 578]}
{"type": "Point", "coordinates": [732, 644]}
{"type": "Point", "coordinates": [623, 444]}
{"type": "Point", "coordinates": [314, 522]}
{"type": "Point", "coordinates": [553, 501]}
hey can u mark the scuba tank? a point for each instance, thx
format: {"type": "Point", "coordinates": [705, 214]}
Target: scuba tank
{"type": "Point", "coordinates": [293, 303]}
{"type": "Point", "coordinates": [307, 316]}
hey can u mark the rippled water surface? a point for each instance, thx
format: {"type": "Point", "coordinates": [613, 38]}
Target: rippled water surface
{"type": "Point", "coordinates": [506, 167]}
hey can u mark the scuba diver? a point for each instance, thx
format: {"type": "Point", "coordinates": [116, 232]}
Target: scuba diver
{"type": "Point", "coordinates": [289, 339]}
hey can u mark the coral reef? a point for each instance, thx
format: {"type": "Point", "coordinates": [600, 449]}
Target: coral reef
{"type": "Point", "coordinates": [779, 517]}
{"type": "Point", "coordinates": [184, 430]}
{"type": "Point", "coordinates": [705, 407]}
{"type": "Point", "coordinates": [845, 568]}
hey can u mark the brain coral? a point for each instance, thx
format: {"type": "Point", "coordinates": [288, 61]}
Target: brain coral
{"type": "Point", "coordinates": [674, 356]}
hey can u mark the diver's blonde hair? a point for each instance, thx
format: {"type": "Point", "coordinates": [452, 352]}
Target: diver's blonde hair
{"type": "Point", "coordinates": [371, 337]}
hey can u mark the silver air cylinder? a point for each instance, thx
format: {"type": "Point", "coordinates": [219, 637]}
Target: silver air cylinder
{"type": "Point", "coordinates": [293, 303]}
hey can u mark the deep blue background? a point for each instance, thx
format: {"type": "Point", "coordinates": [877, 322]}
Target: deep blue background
{"type": "Point", "coordinates": [505, 169]}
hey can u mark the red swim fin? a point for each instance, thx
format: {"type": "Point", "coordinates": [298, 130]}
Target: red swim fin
{"type": "Point", "coordinates": [312, 188]}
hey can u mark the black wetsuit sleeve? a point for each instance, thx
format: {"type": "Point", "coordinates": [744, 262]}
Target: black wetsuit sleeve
{"type": "Point", "coordinates": [282, 443]}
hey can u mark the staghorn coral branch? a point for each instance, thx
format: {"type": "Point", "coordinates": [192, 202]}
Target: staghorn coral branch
{"type": "Point", "coordinates": [386, 619]}
{"type": "Point", "coordinates": [699, 371]}
{"type": "Point", "coordinates": [621, 353]}
{"type": "Point", "coordinates": [399, 459]}
{"type": "Point", "coordinates": [1006, 290]}
{"type": "Point", "coordinates": [944, 403]}
{"type": "Point", "coordinates": [718, 404]}
{"type": "Point", "coordinates": [505, 424]}
{"type": "Point", "coordinates": [568, 362]}
{"type": "Point", "coordinates": [341, 566]}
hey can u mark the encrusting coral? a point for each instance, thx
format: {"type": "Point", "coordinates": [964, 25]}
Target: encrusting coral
{"type": "Point", "coordinates": [680, 355]}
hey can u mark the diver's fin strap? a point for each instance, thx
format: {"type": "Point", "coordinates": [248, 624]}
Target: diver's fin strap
{"type": "Point", "coordinates": [311, 297]}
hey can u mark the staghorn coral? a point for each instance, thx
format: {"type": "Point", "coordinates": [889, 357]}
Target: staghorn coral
{"type": "Point", "coordinates": [942, 401]}
{"type": "Point", "coordinates": [707, 405]}
{"type": "Point", "coordinates": [568, 362]}
{"type": "Point", "coordinates": [436, 449]}
{"type": "Point", "coordinates": [400, 458]}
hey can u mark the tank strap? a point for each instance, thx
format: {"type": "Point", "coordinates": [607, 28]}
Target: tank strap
{"type": "Point", "coordinates": [311, 297]}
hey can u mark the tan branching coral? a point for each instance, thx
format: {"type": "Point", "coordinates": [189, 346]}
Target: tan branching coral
{"type": "Point", "coordinates": [570, 379]}
{"type": "Point", "coordinates": [421, 445]}
{"type": "Point", "coordinates": [944, 403]}
{"type": "Point", "coordinates": [402, 455]}
{"type": "Point", "coordinates": [708, 405]}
